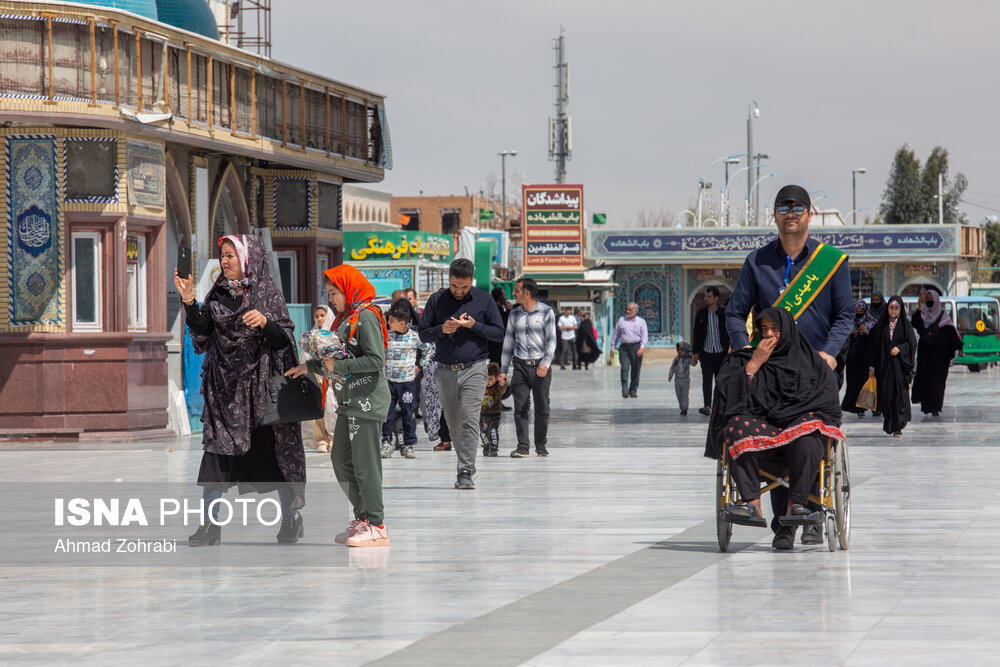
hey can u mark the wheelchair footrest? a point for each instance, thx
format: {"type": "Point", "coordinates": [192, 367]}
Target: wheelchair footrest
{"type": "Point", "coordinates": [744, 520]}
{"type": "Point", "coordinates": [816, 518]}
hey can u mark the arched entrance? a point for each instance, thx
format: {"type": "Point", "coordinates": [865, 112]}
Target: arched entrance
{"type": "Point", "coordinates": [914, 286]}
{"type": "Point", "coordinates": [229, 213]}
{"type": "Point", "coordinates": [696, 300]}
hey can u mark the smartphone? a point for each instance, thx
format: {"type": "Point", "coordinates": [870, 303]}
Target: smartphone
{"type": "Point", "coordinates": [184, 261]}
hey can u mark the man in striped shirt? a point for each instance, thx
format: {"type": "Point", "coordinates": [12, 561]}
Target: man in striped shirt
{"type": "Point", "coordinates": [530, 341]}
{"type": "Point", "coordinates": [711, 343]}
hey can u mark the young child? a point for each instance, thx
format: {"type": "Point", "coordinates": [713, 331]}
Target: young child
{"type": "Point", "coordinates": [322, 428]}
{"type": "Point", "coordinates": [401, 372]}
{"type": "Point", "coordinates": [490, 414]}
{"type": "Point", "coordinates": [681, 367]}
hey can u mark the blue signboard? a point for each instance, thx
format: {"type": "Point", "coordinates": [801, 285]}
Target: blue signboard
{"type": "Point", "coordinates": [724, 243]}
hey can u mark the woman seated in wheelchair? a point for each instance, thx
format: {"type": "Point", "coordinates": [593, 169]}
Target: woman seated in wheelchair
{"type": "Point", "coordinates": [774, 406]}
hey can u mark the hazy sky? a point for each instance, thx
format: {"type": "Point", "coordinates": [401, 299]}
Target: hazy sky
{"type": "Point", "coordinates": [660, 89]}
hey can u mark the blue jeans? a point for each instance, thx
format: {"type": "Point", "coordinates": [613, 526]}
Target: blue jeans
{"type": "Point", "coordinates": [403, 393]}
{"type": "Point", "coordinates": [628, 354]}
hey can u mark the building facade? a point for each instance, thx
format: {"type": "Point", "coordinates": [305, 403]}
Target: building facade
{"type": "Point", "coordinates": [666, 271]}
{"type": "Point", "coordinates": [125, 137]}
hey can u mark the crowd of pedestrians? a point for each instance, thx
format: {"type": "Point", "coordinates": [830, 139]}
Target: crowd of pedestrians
{"type": "Point", "coordinates": [467, 350]}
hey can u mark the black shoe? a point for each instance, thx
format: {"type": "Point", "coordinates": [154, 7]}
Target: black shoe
{"type": "Point", "coordinates": [494, 451]}
{"type": "Point", "coordinates": [504, 408]}
{"type": "Point", "coordinates": [784, 539]}
{"type": "Point", "coordinates": [519, 454]}
{"type": "Point", "coordinates": [542, 452]}
{"type": "Point", "coordinates": [624, 394]}
{"type": "Point", "coordinates": [705, 411]}
{"type": "Point", "coordinates": [684, 413]}
{"type": "Point", "coordinates": [464, 480]}
{"type": "Point", "coordinates": [812, 534]}
{"type": "Point", "coordinates": [207, 535]}
{"type": "Point", "coordinates": [632, 394]}
{"type": "Point", "coordinates": [290, 530]}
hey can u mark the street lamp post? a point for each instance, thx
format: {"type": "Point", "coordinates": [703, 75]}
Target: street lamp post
{"type": "Point", "coordinates": [755, 197]}
{"type": "Point", "coordinates": [752, 112]}
{"type": "Point", "coordinates": [724, 193]}
{"type": "Point", "coordinates": [503, 185]}
{"type": "Point", "coordinates": [755, 188]}
{"type": "Point", "coordinates": [730, 159]}
{"type": "Point", "coordinates": [854, 191]}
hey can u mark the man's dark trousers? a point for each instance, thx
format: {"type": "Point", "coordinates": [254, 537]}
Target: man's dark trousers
{"type": "Point", "coordinates": [710, 362]}
{"type": "Point", "coordinates": [524, 386]}
{"type": "Point", "coordinates": [628, 356]}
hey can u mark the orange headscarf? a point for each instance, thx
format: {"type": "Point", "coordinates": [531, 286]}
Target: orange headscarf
{"type": "Point", "coordinates": [359, 294]}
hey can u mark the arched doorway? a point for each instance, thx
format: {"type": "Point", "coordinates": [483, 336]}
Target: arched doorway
{"type": "Point", "coordinates": [696, 300]}
{"type": "Point", "coordinates": [914, 286]}
{"type": "Point", "coordinates": [229, 212]}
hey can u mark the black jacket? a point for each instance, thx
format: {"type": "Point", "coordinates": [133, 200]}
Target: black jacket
{"type": "Point", "coordinates": [700, 329]}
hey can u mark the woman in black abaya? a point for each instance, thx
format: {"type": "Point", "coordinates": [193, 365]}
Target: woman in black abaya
{"type": "Point", "coordinates": [777, 401]}
{"type": "Point", "coordinates": [939, 341]}
{"type": "Point", "coordinates": [858, 357]}
{"type": "Point", "coordinates": [893, 347]}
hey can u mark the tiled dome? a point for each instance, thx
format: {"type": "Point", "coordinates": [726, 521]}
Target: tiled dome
{"type": "Point", "coordinates": [193, 15]}
{"type": "Point", "coordinates": [145, 8]}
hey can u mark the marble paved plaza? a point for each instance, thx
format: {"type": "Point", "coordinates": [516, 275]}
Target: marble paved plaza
{"type": "Point", "coordinates": [603, 554]}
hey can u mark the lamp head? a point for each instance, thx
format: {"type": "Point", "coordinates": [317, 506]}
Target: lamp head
{"type": "Point", "coordinates": [861, 170]}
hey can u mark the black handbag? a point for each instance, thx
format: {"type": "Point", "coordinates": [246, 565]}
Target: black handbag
{"type": "Point", "coordinates": [292, 400]}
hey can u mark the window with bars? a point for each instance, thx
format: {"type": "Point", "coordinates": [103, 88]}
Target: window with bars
{"type": "Point", "coordinates": [71, 60]}
{"type": "Point", "coordinates": [199, 88]}
{"type": "Point", "coordinates": [243, 113]}
{"type": "Point", "coordinates": [104, 47]}
{"type": "Point", "coordinates": [293, 113]}
{"type": "Point", "coordinates": [269, 107]}
{"type": "Point", "coordinates": [177, 82]}
{"type": "Point", "coordinates": [221, 94]}
{"type": "Point", "coordinates": [357, 131]}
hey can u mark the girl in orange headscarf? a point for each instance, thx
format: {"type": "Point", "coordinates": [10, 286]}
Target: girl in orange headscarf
{"type": "Point", "coordinates": [359, 383]}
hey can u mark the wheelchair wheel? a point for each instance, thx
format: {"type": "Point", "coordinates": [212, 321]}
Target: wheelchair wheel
{"type": "Point", "coordinates": [723, 529]}
{"type": "Point", "coordinates": [831, 533]}
{"type": "Point", "coordinates": [842, 495]}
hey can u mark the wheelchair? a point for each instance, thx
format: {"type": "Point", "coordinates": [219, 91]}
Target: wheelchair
{"type": "Point", "coordinates": [834, 496]}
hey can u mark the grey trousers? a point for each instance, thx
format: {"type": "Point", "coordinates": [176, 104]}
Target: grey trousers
{"type": "Point", "coordinates": [462, 393]}
{"type": "Point", "coordinates": [682, 386]}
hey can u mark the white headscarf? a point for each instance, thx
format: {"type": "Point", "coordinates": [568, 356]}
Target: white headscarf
{"type": "Point", "coordinates": [328, 319]}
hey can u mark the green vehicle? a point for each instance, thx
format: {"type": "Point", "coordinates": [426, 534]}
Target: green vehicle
{"type": "Point", "coordinates": [976, 318]}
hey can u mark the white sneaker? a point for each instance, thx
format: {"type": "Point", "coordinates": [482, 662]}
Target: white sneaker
{"type": "Point", "coordinates": [370, 536]}
{"type": "Point", "coordinates": [353, 528]}
{"type": "Point", "coordinates": [387, 449]}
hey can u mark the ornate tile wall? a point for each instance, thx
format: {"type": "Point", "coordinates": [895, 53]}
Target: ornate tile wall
{"type": "Point", "coordinates": [657, 291]}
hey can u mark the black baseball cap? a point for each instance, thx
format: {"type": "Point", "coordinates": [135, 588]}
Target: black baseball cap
{"type": "Point", "coordinates": [793, 193]}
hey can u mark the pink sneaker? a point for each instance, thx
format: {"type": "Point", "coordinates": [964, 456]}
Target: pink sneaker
{"type": "Point", "coordinates": [370, 536]}
{"type": "Point", "coordinates": [353, 528]}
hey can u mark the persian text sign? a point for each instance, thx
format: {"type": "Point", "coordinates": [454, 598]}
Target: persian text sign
{"type": "Point", "coordinates": [553, 228]}
{"type": "Point", "coordinates": [874, 241]}
{"type": "Point", "coordinates": [362, 246]}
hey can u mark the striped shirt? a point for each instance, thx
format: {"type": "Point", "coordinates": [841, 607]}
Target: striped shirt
{"type": "Point", "coordinates": [712, 343]}
{"type": "Point", "coordinates": [530, 335]}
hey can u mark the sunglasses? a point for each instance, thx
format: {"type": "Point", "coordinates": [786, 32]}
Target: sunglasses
{"type": "Point", "coordinates": [784, 209]}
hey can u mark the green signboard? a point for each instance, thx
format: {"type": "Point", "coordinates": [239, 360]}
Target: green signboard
{"type": "Point", "coordinates": [382, 246]}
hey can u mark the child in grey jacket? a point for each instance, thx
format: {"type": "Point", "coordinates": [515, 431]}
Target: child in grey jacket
{"type": "Point", "coordinates": [681, 367]}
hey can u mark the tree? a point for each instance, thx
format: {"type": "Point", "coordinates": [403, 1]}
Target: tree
{"type": "Point", "coordinates": [936, 164]}
{"type": "Point", "coordinates": [901, 201]}
{"type": "Point", "coordinates": [911, 192]}
{"type": "Point", "coordinates": [647, 216]}
{"type": "Point", "coordinates": [993, 249]}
